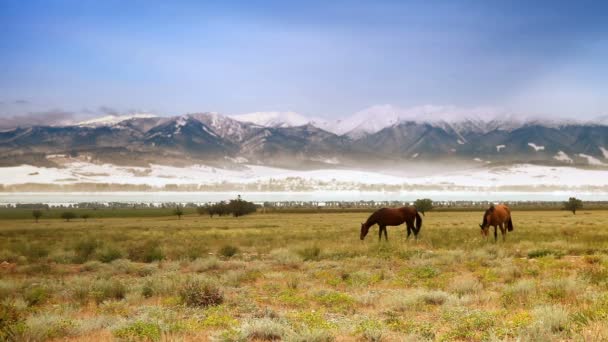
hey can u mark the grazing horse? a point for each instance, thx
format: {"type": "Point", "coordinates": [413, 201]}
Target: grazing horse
{"type": "Point", "coordinates": [497, 216]}
{"type": "Point", "coordinates": [393, 217]}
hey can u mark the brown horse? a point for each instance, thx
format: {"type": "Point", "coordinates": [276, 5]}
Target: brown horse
{"type": "Point", "coordinates": [393, 217]}
{"type": "Point", "coordinates": [497, 216]}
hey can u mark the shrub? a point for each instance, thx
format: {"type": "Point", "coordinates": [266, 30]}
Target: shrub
{"type": "Point", "coordinates": [37, 214]}
{"type": "Point", "coordinates": [551, 318]}
{"type": "Point", "coordinates": [539, 253]}
{"type": "Point", "coordinates": [285, 257]}
{"type": "Point", "coordinates": [109, 254]}
{"type": "Point", "coordinates": [79, 290]}
{"type": "Point", "coordinates": [68, 215]}
{"type": "Point", "coordinates": [264, 329]}
{"type": "Point", "coordinates": [465, 285]}
{"type": "Point", "coordinates": [108, 289]}
{"type": "Point", "coordinates": [47, 327]}
{"type": "Point", "coordinates": [573, 204]}
{"type": "Point", "coordinates": [84, 250]}
{"type": "Point", "coordinates": [228, 251]}
{"type": "Point", "coordinates": [139, 331]}
{"type": "Point", "coordinates": [11, 321]}
{"type": "Point", "coordinates": [148, 251]}
{"type": "Point", "coordinates": [312, 335]}
{"type": "Point", "coordinates": [178, 211]}
{"type": "Point", "coordinates": [336, 300]}
{"type": "Point", "coordinates": [519, 292]}
{"type": "Point", "coordinates": [423, 205]}
{"type": "Point", "coordinates": [371, 330]}
{"type": "Point", "coordinates": [147, 289]}
{"type": "Point", "coordinates": [310, 253]}
{"type": "Point", "coordinates": [197, 293]}
{"type": "Point", "coordinates": [36, 295]}
{"type": "Point", "coordinates": [434, 297]}
{"type": "Point", "coordinates": [562, 287]}
{"type": "Point", "coordinates": [201, 265]}
{"type": "Point", "coordinates": [91, 266]}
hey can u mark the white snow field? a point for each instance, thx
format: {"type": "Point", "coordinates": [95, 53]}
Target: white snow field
{"type": "Point", "coordinates": [490, 177]}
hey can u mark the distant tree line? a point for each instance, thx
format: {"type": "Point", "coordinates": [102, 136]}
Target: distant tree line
{"type": "Point", "coordinates": [236, 207]}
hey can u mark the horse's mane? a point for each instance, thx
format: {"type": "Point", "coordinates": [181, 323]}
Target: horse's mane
{"type": "Point", "coordinates": [371, 220]}
{"type": "Point", "coordinates": [485, 215]}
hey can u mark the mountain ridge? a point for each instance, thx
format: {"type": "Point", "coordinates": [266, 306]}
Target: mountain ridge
{"type": "Point", "coordinates": [221, 140]}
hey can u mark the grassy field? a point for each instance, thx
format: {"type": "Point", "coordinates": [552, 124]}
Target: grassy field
{"type": "Point", "coordinates": [304, 277]}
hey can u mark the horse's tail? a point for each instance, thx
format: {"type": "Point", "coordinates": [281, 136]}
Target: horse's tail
{"type": "Point", "coordinates": [510, 225]}
{"type": "Point", "coordinates": [418, 221]}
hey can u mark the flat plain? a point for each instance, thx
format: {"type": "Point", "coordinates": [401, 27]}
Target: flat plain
{"type": "Point", "coordinates": [304, 277]}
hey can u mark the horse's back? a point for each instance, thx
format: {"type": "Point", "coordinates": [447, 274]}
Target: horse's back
{"type": "Point", "coordinates": [500, 214]}
{"type": "Point", "coordinates": [393, 216]}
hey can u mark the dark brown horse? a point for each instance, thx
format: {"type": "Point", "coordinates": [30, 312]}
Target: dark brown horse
{"type": "Point", "coordinates": [497, 216]}
{"type": "Point", "coordinates": [393, 217]}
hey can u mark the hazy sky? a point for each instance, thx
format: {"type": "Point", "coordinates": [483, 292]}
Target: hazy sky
{"type": "Point", "coordinates": [319, 58]}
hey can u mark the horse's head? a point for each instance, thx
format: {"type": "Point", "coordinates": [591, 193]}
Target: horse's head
{"type": "Point", "coordinates": [364, 230]}
{"type": "Point", "coordinates": [484, 229]}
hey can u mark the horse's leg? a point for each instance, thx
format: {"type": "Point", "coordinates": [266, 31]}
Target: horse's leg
{"type": "Point", "coordinates": [409, 230]}
{"type": "Point", "coordinates": [495, 233]}
{"type": "Point", "coordinates": [380, 233]}
{"type": "Point", "coordinates": [385, 234]}
{"type": "Point", "coordinates": [503, 231]}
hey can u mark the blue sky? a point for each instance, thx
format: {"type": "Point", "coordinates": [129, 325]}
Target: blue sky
{"type": "Point", "coordinates": [319, 58]}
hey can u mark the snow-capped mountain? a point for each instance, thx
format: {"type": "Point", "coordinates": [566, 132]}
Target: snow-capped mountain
{"type": "Point", "coordinates": [274, 119]}
{"type": "Point", "coordinates": [113, 119]}
{"type": "Point", "coordinates": [380, 135]}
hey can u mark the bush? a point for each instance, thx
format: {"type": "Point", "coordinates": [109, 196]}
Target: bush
{"type": "Point", "coordinates": [139, 331]}
{"type": "Point", "coordinates": [539, 253]}
{"type": "Point", "coordinates": [68, 215]}
{"type": "Point", "coordinates": [84, 250]}
{"type": "Point", "coordinates": [178, 211]}
{"type": "Point", "coordinates": [423, 205]}
{"type": "Point", "coordinates": [108, 289]}
{"type": "Point", "coordinates": [285, 257]}
{"type": "Point", "coordinates": [465, 285]}
{"type": "Point", "coordinates": [371, 330]}
{"type": "Point", "coordinates": [264, 329]}
{"type": "Point", "coordinates": [37, 214]}
{"type": "Point", "coordinates": [11, 321]}
{"type": "Point", "coordinates": [36, 295]}
{"type": "Point", "coordinates": [149, 251]}
{"type": "Point", "coordinates": [310, 253]}
{"type": "Point", "coordinates": [197, 293]}
{"type": "Point", "coordinates": [228, 251]}
{"type": "Point", "coordinates": [551, 318]}
{"type": "Point", "coordinates": [109, 254]}
{"type": "Point", "coordinates": [147, 289]}
{"type": "Point", "coordinates": [47, 327]}
{"type": "Point", "coordinates": [201, 265]}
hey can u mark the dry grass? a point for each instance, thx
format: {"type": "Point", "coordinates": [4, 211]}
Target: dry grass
{"type": "Point", "coordinates": [306, 277]}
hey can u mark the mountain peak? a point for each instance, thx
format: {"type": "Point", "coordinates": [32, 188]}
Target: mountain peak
{"type": "Point", "coordinates": [109, 120]}
{"type": "Point", "coordinates": [273, 119]}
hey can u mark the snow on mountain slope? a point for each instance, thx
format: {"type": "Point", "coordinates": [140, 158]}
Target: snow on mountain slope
{"type": "Point", "coordinates": [476, 179]}
{"type": "Point", "coordinates": [460, 120]}
{"type": "Point", "coordinates": [109, 120]}
{"type": "Point", "coordinates": [274, 119]}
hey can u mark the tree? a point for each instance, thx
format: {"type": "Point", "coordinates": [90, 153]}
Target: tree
{"type": "Point", "coordinates": [423, 205]}
{"type": "Point", "coordinates": [37, 215]}
{"type": "Point", "coordinates": [239, 207]}
{"type": "Point", "coordinates": [68, 215]}
{"type": "Point", "coordinates": [201, 210]}
{"type": "Point", "coordinates": [573, 204]}
{"type": "Point", "coordinates": [179, 212]}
